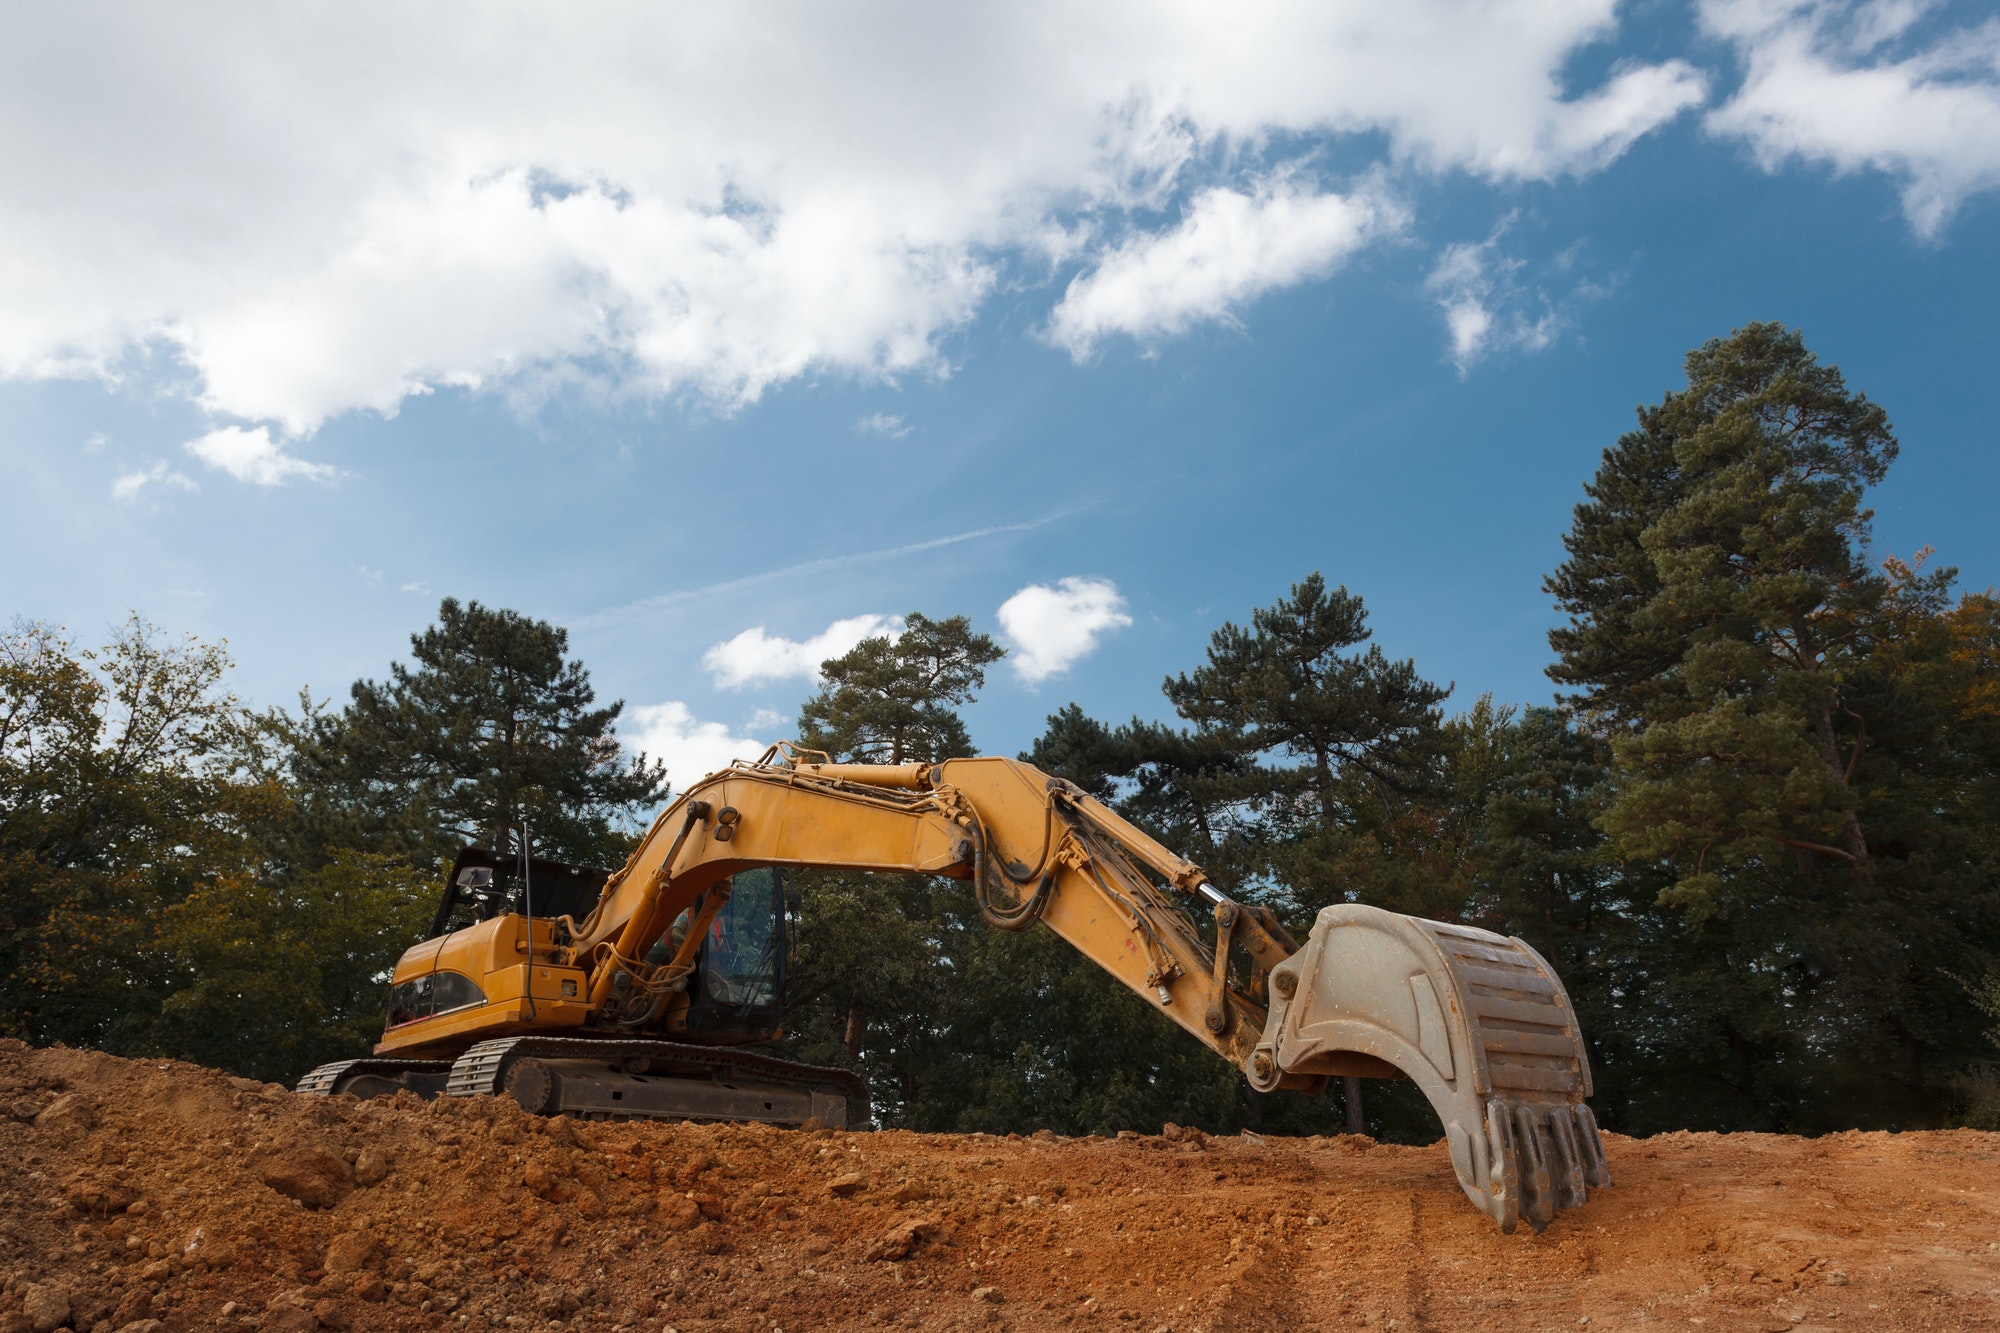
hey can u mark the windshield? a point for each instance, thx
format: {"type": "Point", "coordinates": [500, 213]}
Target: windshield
{"type": "Point", "coordinates": [740, 962]}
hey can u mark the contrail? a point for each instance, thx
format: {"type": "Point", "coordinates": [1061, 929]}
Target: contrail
{"type": "Point", "coordinates": [645, 605]}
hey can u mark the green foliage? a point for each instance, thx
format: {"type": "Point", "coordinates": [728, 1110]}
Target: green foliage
{"type": "Point", "coordinates": [118, 783]}
{"type": "Point", "coordinates": [1763, 610]}
{"type": "Point", "coordinates": [892, 701]}
{"type": "Point", "coordinates": [1977, 1088]}
{"type": "Point", "coordinates": [169, 885]}
{"type": "Point", "coordinates": [272, 978]}
{"type": "Point", "coordinates": [491, 725]}
{"type": "Point", "coordinates": [1789, 750]}
{"type": "Point", "coordinates": [1986, 998]}
{"type": "Point", "coordinates": [960, 1027]}
{"type": "Point", "coordinates": [1360, 732]}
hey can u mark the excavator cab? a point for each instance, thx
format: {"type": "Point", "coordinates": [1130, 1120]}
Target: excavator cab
{"type": "Point", "coordinates": [739, 981]}
{"type": "Point", "coordinates": [484, 884]}
{"type": "Point", "coordinates": [736, 994]}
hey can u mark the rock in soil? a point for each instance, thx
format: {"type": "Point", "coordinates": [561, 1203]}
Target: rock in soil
{"type": "Point", "coordinates": [166, 1197]}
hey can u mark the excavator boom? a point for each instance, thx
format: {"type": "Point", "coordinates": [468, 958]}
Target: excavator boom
{"type": "Point", "coordinates": [1477, 1020]}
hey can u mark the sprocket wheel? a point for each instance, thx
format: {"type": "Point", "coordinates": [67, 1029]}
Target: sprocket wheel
{"type": "Point", "coordinates": [533, 1084]}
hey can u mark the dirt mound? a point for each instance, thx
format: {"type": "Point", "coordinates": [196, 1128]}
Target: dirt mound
{"type": "Point", "coordinates": [140, 1191]}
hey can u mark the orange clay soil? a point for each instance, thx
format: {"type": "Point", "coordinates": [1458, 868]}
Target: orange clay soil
{"type": "Point", "coordinates": [160, 1196]}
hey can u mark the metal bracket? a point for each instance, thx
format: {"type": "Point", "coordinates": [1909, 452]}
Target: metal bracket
{"type": "Point", "coordinates": [1226, 917]}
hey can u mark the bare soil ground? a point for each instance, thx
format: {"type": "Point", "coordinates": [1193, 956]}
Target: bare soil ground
{"type": "Point", "coordinates": [161, 1196]}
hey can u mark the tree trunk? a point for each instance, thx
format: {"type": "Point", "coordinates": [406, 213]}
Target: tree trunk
{"type": "Point", "coordinates": [1913, 1056]}
{"type": "Point", "coordinates": [1739, 1050]}
{"type": "Point", "coordinates": [857, 1027]}
{"type": "Point", "coordinates": [1350, 1089]}
{"type": "Point", "coordinates": [1829, 749]}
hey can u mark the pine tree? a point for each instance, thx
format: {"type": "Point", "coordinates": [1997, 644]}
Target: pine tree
{"type": "Point", "coordinates": [894, 700]}
{"type": "Point", "coordinates": [1196, 790]}
{"type": "Point", "coordinates": [1775, 775]}
{"type": "Point", "coordinates": [492, 724]}
{"type": "Point", "coordinates": [875, 954]}
{"type": "Point", "coordinates": [1361, 732]}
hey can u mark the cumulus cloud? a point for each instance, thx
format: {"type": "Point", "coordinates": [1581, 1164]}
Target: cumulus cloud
{"type": "Point", "coordinates": [1230, 248]}
{"type": "Point", "coordinates": [127, 485]}
{"type": "Point", "coordinates": [253, 456]}
{"type": "Point", "coordinates": [755, 657]}
{"type": "Point", "coordinates": [1051, 629]}
{"type": "Point", "coordinates": [1851, 87]}
{"type": "Point", "coordinates": [691, 749]}
{"type": "Point", "coordinates": [330, 210]}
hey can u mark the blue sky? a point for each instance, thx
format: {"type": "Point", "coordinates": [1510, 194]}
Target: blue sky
{"type": "Point", "coordinates": [724, 338]}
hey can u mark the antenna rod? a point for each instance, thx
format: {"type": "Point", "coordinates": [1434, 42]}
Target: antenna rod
{"type": "Point", "coordinates": [528, 907]}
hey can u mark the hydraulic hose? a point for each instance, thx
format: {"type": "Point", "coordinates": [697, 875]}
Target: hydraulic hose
{"type": "Point", "coordinates": [1023, 913]}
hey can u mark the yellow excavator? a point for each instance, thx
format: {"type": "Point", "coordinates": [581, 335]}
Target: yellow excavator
{"type": "Point", "coordinates": [636, 994]}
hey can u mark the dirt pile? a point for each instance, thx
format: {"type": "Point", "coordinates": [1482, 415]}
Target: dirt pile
{"type": "Point", "coordinates": [158, 1196]}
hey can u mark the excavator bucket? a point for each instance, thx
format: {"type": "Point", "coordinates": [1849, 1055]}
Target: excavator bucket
{"type": "Point", "coordinates": [1479, 1021]}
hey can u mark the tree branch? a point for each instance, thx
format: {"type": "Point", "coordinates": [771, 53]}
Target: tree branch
{"type": "Point", "coordinates": [1804, 846]}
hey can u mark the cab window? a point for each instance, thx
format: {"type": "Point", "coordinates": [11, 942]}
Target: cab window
{"type": "Point", "coordinates": [427, 996]}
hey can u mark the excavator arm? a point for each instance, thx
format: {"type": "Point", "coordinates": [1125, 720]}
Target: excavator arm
{"type": "Point", "coordinates": [1479, 1021]}
{"type": "Point", "coordinates": [1034, 849]}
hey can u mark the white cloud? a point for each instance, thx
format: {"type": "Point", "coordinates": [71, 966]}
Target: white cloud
{"type": "Point", "coordinates": [1839, 84]}
{"type": "Point", "coordinates": [127, 485]}
{"type": "Point", "coordinates": [1469, 321]}
{"type": "Point", "coordinates": [330, 210]}
{"type": "Point", "coordinates": [1230, 248]}
{"type": "Point", "coordinates": [754, 657]}
{"type": "Point", "coordinates": [253, 456]}
{"type": "Point", "coordinates": [690, 749]}
{"type": "Point", "coordinates": [883, 423]}
{"type": "Point", "coordinates": [1051, 629]}
{"type": "Point", "coordinates": [1487, 307]}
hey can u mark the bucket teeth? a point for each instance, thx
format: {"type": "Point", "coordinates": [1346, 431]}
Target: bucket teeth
{"type": "Point", "coordinates": [1546, 1155]}
{"type": "Point", "coordinates": [1565, 1165]}
{"type": "Point", "coordinates": [1538, 1204]}
{"type": "Point", "coordinates": [1596, 1172]}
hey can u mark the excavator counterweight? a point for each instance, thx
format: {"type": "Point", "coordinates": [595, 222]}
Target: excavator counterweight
{"type": "Point", "coordinates": [615, 1012]}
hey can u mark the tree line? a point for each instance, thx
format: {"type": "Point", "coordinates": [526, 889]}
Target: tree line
{"type": "Point", "coordinates": [1757, 833]}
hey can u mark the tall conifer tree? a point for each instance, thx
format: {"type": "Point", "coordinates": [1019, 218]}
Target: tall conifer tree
{"type": "Point", "coordinates": [1728, 635]}
{"type": "Point", "coordinates": [491, 724]}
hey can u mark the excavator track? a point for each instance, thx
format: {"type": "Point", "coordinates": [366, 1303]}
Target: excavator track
{"type": "Point", "coordinates": [377, 1078]}
{"type": "Point", "coordinates": [639, 1078]}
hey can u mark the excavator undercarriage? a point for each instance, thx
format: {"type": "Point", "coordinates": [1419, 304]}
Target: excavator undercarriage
{"type": "Point", "coordinates": [617, 1079]}
{"type": "Point", "coordinates": [642, 1005]}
